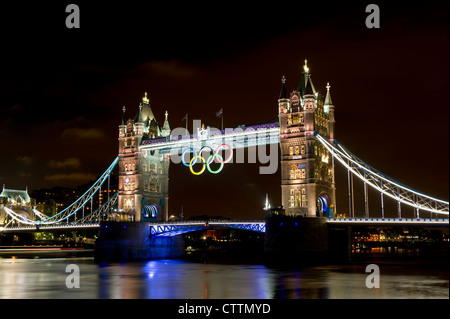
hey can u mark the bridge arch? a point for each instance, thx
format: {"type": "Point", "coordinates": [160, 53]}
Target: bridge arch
{"type": "Point", "coordinates": [178, 228]}
{"type": "Point", "coordinates": [323, 205]}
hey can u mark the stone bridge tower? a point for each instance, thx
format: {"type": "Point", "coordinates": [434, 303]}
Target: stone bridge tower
{"type": "Point", "coordinates": [143, 175]}
{"type": "Point", "coordinates": [307, 169]}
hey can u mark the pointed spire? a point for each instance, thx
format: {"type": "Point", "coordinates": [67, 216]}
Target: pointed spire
{"type": "Point", "coordinates": [166, 122]}
{"type": "Point", "coordinates": [145, 99]}
{"type": "Point", "coordinates": [309, 89]}
{"type": "Point", "coordinates": [140, 119]}
{"type": "Point", "coordinates": [123, 115]}
{"type": "Point", "coordinates": [166, 127]}
{"type": "Point", "coordinates": [305, 67]}
{"type": "Point", "coordinates": [283, 94]}
{"type": "Point", "coordinates": [304, 79]}
{"type": "Point", "coordinates": [328, 96]}
{"type": "Point", "coordinates": [267, 205]}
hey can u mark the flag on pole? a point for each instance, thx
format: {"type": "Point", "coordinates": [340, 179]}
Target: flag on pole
{"type": "Point", "coordinates": [219, 113]}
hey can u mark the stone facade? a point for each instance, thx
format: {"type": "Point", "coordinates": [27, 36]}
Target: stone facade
{"type": "Point", "coordinates": [307, 169]}
{"type": "Point", "coordinates": [143, 175]}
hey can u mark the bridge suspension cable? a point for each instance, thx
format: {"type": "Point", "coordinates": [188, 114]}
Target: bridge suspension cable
{"type": "Point", "coordinates": [73, 208]}
{"type": "Point", "coordinates": [100, 211]}
{"type": "Point", "coordinates": [384, 184]}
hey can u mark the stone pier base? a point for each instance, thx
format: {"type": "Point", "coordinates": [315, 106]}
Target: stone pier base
{"type": "Point", "coordinates": [132, 241]}
{"type": "Point", "coordinates": [295, 241]}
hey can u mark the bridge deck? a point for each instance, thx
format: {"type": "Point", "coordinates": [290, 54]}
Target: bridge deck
{"type": "Point", "coordinates": [258, 225]}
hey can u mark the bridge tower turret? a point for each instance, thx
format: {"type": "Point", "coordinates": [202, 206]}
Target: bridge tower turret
{"type": "Point", "coordinates": [329, 108]}
{"type": "Point", "coordinates": [307, 182]}
{"type": "Point", "coordinates": [143, 175]}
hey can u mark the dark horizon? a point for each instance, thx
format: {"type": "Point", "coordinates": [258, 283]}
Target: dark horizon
{"type": "Point", "coordinates": [62, 91]}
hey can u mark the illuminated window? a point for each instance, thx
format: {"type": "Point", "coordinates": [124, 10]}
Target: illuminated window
{"type": "Point", "coordinates": [295, 119]}
{"type": "Point", "coordinates": [291, 150]}
{"type": "Point", "coordinates": [303, 200]}
{"type": "Point", "coordinates": [303, 173]}
{"type": "Point", "coordinates": [292, 174]}
{"type": "Point", "coordinates": [303, 149]}
{"type": "Point", "coordinates": [315, 150]}
{"type": "Point", "coordinates": [292, 199]}
{"type": "Point", "coordinates": [297, 199]}
{"type": "Point", "coordinates": [297, 151]}
{"type": "Point", "coordinates": [297, 174]}
{"type": "Point", "coordinates": [301, 118]}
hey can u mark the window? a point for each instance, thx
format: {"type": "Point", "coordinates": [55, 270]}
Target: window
{"type": "Point", "coordinates": [297, 151]}
{"type": "Point", "coordinates": [295, 119]}
{"type": "Point", "coordinates": [303, 148]}
{"type": "Point", "coordinates": [291, 150]}
{"type": "Point", "coordinates": [297, 199]}
{"type": "Point", "coordinates": [301, 118]}
{"type": "Point", "coordinates": [292, 174]}
{"type": "Point", "coordinates": [315, 150]}
{"type": "Point", "coordinates": [152, 168]}
{"type": "Point", "coordinates": [303, 173]}
{"type": "Point", "coordinates": [292, 200]}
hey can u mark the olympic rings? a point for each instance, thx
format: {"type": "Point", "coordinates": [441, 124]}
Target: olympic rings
{"type": "Point", "coordinates": [202, 170]}
{"type": "Point", "coordinates": [184, 152]}
{"type": "Point", "coordinates": [229, 156]}
{"type": "Point", "coordinates": [221, 163]}
{"type": "Point", "coordinates": [208, 162]}
{"type": "Point", "coordinates": [211, 150]}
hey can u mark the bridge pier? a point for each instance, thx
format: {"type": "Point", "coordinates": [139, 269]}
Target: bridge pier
{"type": "Point", "coordinates": [295, 240]}
{"type": "Point", "coordinates": [132, 241]}
{"type": "Point", "coordinates": [305, 241]}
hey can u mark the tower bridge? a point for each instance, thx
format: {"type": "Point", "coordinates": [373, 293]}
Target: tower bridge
{"type": "Point", "coordinates": [305, 134]}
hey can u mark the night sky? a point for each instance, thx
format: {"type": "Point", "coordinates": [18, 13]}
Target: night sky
{"type": "Point", "coordinates": [62, 90]}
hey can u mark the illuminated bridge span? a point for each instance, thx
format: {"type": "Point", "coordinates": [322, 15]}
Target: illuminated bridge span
{"type": "Point", "coordinates": [74, 215]}
{"type": "Point", "coordinates": [385, 185]}
{"type": "Point", "coordinates": [170, 229]}
{"type": "Point", "coordinates": [308, 156]}
{"type": "Point", "coordinates": [178, 228]}
{"type": "Point", "coordinates": [242, 136]}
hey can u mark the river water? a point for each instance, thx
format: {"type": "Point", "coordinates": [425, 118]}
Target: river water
{"type": "Point", "coordinates": [179, 279]}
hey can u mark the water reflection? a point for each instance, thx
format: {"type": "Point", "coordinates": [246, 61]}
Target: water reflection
{"type": "Point", "coordinates": [175, 279]}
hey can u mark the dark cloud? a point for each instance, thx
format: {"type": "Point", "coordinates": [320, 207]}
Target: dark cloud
{"type": "Point", "coordinates": [26, 160]}
{"type": "Point", "coordinates": [70, 177]}
{"type": "Point", "coordinates": [82, 133]}
{"type": "Point", "coordinates": [72, 162]}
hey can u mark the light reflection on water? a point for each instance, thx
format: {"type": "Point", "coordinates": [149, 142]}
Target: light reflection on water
{"type": "Point", "coordinates": [175, 279]}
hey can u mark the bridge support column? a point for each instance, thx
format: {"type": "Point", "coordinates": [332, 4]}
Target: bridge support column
{"type": "Point", "coordinates": [295, 240]}
{"type": "Point", "coordinates": [131, 241]}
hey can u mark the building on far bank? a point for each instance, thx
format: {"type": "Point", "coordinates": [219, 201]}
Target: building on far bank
{"type": "Point", "coordinates": [17, 200]}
